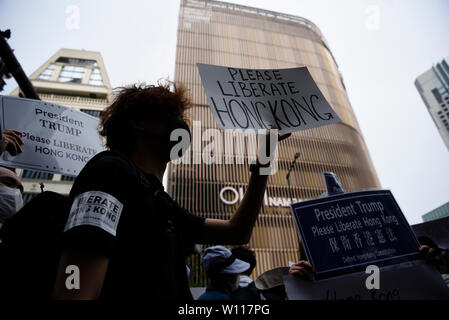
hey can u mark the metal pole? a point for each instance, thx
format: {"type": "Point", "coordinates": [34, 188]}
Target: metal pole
{"type": "Point", "coordinates": [13, 67]}
{"type": "Point", "coordinates": [297, 154]}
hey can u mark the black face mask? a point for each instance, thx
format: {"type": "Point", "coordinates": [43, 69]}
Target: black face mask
{"type": "Point", "coordinates": [172, 124]}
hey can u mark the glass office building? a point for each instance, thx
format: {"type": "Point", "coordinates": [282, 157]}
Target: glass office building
{"type": "Point", "coordinates": [433, 86]}
{"type": "Point", "coordinates": [225, 34]}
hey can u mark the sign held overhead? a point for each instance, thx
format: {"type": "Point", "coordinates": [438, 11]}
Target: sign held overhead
{"type": "Point", "coordinates": [258, 99]}
{"type": "Point", "coordinates": [346, 232]}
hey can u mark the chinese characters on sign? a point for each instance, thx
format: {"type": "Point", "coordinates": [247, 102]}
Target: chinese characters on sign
{"type": "Point", "coordinates": [346, 232]}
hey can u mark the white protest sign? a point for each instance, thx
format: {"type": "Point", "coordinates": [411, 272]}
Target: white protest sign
{"type": "Point", "coordinates": [56, 139]}
{"type": "Point", "coordinates": [406, 281]}
{"type": "Point", "coordinates": [258, 99]}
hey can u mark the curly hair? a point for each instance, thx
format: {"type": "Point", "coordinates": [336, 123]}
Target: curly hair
{"type": "Point", "coordinates": [140, 101]}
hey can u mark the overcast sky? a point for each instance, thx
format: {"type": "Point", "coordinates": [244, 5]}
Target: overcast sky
{"type": "Point", "coordinates": [380, 46]}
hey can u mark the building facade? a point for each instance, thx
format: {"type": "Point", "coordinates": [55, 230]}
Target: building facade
{"type": "Point", "coordinates": [226, 34]}
{"type": "Point", "coordinates": [71, 78]}
{"type": "Point", "coordinates": [433, 86]}
{"type": "Point", "coordinates": [438, 213]}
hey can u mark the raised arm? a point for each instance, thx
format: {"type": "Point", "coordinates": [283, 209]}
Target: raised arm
{"type": "Point", "coordinates": [238, 229]}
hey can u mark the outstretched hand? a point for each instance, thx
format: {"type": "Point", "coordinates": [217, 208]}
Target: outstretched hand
{"type": "Point", "coordinates": [11, 142]}
{"type": "Point", "coordinates": [436, 257]}
{"type": "Point", "coordinates": [280, 137]}
{"type": "Point", "coordinates": [263, 153]}
{"type": "Point", "coordinates": [302, 269]}
{"type": "Point", "coordinates": [284, 136]}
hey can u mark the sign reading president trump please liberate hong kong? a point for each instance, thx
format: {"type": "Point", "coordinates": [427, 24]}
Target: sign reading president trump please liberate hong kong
{"type": "Point", "coordinates": [56, 139]}
{"type": "Point", "coordinates": [258, 99]}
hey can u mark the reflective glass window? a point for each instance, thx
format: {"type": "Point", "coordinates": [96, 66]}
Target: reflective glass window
{"type": "Point", "coordinates": [47, 73]}
{"type": "Point", "coordinates": [95, 78]}
{"type": "Point", "coordinates": [72, 74]}
{"type": "Point", "coordinates": [32, 174]}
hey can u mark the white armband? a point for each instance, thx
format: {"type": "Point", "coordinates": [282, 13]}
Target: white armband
{"type": "Point", "coordinates": [95, 208]}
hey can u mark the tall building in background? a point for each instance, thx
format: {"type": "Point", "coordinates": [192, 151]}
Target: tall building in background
{"type": "Point", "coordinates": [71, 78]}
{"type": "Point", "coordinates": [438, 213]}
{"type": "Point", "coordinates": [232, 35]}
{"type": "Point", "coordinates": [433, 86]}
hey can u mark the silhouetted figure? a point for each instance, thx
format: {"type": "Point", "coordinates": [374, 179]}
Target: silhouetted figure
{"type": "Point", "coordinates": [223, 270]}
{"type": "Point", "coordinates": [247, 289]}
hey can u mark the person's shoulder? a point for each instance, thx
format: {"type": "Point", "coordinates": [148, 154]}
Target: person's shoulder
{"type": "Point", "coordinates": [214, 295]}
{"type": "Point", "coordinates": [106, 172]}
{"type": "Point", "coordinates": [109, 159]}
{"type": "Point", "coordinates": [192, 224]}
{"type": "Point", "coordinates": [188, 215]}
{"type": "Point", "coordinates": [106, 166]}
{"type": "Point", "coordinates": [99, 196]}
{"type": "Point", "coordinates": [249, 292]}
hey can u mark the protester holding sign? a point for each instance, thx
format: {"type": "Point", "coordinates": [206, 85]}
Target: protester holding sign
{"type": "Point", "coordinates": [302, 269]}
{"type": "Point", "coordinates": [125, 236]}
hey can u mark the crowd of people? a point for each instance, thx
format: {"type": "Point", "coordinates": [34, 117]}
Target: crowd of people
{"type": "Point", "coordinates": [128, 238]}
{"type": "Point", "coordinates": [228, 272]}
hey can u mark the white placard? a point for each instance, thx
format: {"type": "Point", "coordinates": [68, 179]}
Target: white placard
{"type": "Point", "coordinates": [406, 281]}
{"type": "Point", "coordinates": [95, 208]}
{"type": "Point", "coordinates": [258, 99]}
{"type": "Point", "coordinates": [56, 139]}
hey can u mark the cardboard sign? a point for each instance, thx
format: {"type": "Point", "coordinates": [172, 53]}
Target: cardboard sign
{"type": "Point", "coordinates": [411, 281]}
{"type": "Point", "coordinates": [56, 139]}
{"type": "Point", "coordinates": [345, 233]}
{"type": "Point", "coordinates": [257, 99]}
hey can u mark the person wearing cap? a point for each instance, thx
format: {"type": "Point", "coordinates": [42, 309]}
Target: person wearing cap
{"type": "Point", "coordinates": [223, 270]}
{"type": "Point", "coordinates": [247, 289]}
